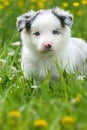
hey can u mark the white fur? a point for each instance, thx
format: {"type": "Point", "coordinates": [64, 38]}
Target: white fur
{"type": "Point", "coordinates": [70, 53]}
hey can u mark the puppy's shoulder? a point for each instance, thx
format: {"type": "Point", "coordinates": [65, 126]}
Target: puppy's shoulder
{"type": "Point", "coordinates": [79, 46]}
{"type": "Point", "coordinates": [75, 40]}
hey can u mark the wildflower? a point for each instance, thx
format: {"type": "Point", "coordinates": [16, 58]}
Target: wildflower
{"type": "Point", "coordinates": [17, 43]}
{"type": "Point", "coordinates": [67, 121]}
{"type": "Point", "coordinates": [14, 114]}
{"type": "Point", "coordinates": [75, 4]}
{"type": "Point", "coordinates": [40, 123]}
{"type": "Point", "coordinates": [21, 3]}
{"type": "Point", "coordinates": [34, 87]}
{"type": "Point", "coordinates": [65, 4]}
{"type": "Point", "coordinates": [2, 61]}
{"type": "Point", "coordinates": [11, 53]}
{"type": "Point", "coordinates": [1, 7]}
{"type": "Point", "coordinates": [79, 13]}
{"type": "Point", "coordinates": [2, 0]}
{"type": "Point", "coordinates": [84, 2]}
{"type": "Point", "coordinates": [76, 99]}
{"type": "Point", "coordinates": [6, 3]}
{"type": "Point", "coordinates": [41, 5]}
{"type": "Point", "coordinates": [0, 78]}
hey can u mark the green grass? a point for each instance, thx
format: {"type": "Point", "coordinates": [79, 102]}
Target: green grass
{"type": "Point", "coordinates": [68, 98]}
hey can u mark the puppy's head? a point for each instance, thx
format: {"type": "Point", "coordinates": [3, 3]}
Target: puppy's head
{"type": "Point", "coordinates": [45, 30]}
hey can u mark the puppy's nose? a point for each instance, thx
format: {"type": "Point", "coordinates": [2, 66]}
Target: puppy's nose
{"type": "Point", "coordinates": [47, 45]}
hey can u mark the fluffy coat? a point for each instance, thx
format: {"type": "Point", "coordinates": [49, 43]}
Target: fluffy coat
{"type": "Point", "coordinates": [46, 40]}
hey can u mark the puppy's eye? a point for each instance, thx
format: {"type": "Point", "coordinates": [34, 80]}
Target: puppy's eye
{"type": "Point", "coordinates": [55, 32]}
{"type": "Point", "coordinates": [36, 33]}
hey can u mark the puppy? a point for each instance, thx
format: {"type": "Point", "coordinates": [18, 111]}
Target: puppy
{"type": "Point", "coordinates": [46, 40]}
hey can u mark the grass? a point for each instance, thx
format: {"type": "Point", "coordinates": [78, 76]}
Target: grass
{"type": "Point", "coordinates": [23, 107]}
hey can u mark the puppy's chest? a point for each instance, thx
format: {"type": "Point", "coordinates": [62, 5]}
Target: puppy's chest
{"type": "Point", "coordinates": [43, 67]}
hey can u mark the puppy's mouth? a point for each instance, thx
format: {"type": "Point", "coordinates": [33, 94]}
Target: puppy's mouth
{"type": "Point", "coordinates": [47, 50]}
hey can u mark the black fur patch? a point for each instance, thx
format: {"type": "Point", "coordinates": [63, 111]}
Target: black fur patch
{"type": "Point", "coordinates": [35, 16]}
{"type": "Point", "coordinates": [27, 17]}
{"type": "Point", "coordinates": [29, 22]}
{"type": "Point", "coordinates": [19, 25]}
{"type": "Point", "coordinates": [70, 18]}
{"type": "Point", "coordinates": [26, 21]}
{"type": "Point", "coordinates": [61, 18]}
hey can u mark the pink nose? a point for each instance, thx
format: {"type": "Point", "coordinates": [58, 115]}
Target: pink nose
{"type": "Point", "coordinates": [47, 45]}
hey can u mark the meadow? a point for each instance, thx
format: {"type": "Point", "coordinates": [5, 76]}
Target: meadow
{"type": "Point", "coordinates": [24, 105]}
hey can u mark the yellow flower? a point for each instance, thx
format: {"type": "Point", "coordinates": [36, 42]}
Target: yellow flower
{"type": "Point", "coordinates": [15, 114]}
{"type": "Point", "coordinates": [40, 123]}
{"type": "Point", "coordinates": [21, 3]}
{"type": "Point", "coordinates": [84, 2]}
{"type": "Point", "coordinates": [65, 4]}
{"type": "Point", "coordinates": [6, 3]}
{"type": "Point", "coordinates": [1, 7]}
{"type": "Point", "coordinates": [79, 12]}
{"type": "Point", "coordinates": [41, 5]}
{"type": "Point", "coordinates": [67, 121]}
{"type": "Point", "coordinates": [2, 0]}
{"type": "Point", "coordinates": [76, 4]}
{"type": "Point", "coordinates": [78, 98]}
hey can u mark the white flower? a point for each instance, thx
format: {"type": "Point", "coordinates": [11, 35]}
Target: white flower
{"type": "Point", "coordinates": [0, 78]}
{"type": "Point", "coordinates": [11, 53]}
{"type": "Point", "coordinates": [17, 43]}
{"type": "Point", "coordinates": [77, 99]}
{"type": "Point", "coordinates": [34, 87]}
{"type": "Point", "coordinates": [2, 61]}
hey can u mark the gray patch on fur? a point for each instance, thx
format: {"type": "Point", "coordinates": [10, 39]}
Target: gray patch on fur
{"type": "Point", "coordinates": [64, 19]}
{"type": "Point", "coordinates": [61, 18]}
{"type": "Point", "coordinates": [25, 20]}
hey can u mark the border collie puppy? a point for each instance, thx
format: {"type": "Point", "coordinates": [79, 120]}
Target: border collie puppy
{"type": "Point", "coordinates": [46, 40]}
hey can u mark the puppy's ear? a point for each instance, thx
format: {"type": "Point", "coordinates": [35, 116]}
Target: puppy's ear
{"type": "Point", "coordinates": [24, 21]}
{"type": "Point", "coordinates": [65, 17]}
